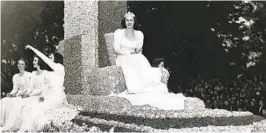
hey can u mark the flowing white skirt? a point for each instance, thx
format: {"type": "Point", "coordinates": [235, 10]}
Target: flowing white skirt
{"type": "Point", "coordinates": [144, 84]}
{"type": "Point", "coordinates": [11, 108]}
{"type": "Point", "coordinates": [6, 106]}
{"type": "Point", "coordinates": [53, 108]}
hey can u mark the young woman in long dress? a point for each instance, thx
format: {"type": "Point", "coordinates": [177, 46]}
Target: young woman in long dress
{"type": "Point", "coordinates": [52, 102]}
{"type": "Point", "coordinates": [21, 82]}
{"type": "Point", "coordinates": [37, 84]}
{"type": "Point", "coordinates": [145, 84]}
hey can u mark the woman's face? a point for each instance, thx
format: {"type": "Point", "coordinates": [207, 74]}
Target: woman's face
{"type": "Point", "coordinates": [21, 65]}
{"type": "Point", "coordinates": [252, 103]}
{"type": "Point", "coordinates": [129, 22]}
{"type": "Point", "coordinates": [246, 101]}
{"type": "Point", "coordinates": [161, 64]}
{"type": "Point", "coordinates": [35, 62]}
{"type": "Point", "coordinates": [225, 103]}
{"type": "Point", "coordinates": [264, 112]}
{"type": "Point", "coordinates": [51, 56]}
{"type": "Point", "coordinates": [260, 102]}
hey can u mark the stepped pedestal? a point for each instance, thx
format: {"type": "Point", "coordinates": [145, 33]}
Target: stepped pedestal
{"type": "Point", "coordinates": [84, 48]}
{"type": "Point", "coordinates": [88, 49]}
{"type": "Point", "coordinates": [91, 75]}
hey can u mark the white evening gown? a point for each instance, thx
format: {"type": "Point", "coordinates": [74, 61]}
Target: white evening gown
{"type": "Point", "coordinates": [38, 84]}
{"type": "Point", "coordinates": [20, 84]}
{"type": "Point", "coordinates": [143, 81]}
{"type": "Point", "coordinates": [54, 107]}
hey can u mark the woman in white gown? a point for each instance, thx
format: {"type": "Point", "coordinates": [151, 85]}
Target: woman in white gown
{"type": "Point", "coordinates": [37, 84]}
{"type": "Point", "coordinates": [145, 84]}
{"type": "Point", "coordinates": [52, 104]}
{"type": "Point", "coordinates": [21, 82]}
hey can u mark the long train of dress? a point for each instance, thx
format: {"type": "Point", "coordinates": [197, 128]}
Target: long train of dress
{"type": "Point", "coordinates": [54, 108]}
{"type": "Point", "coordinates": [143, 81]}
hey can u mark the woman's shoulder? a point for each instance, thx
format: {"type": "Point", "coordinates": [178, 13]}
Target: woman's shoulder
{"type": "Point", "coordinates": [140, 33]}
{"type": "Point", "coordinates": [28, 73]}
{"type": "Point", "coordinates": [118, 31]}
{"type": "Point", "coordinates": [45, 72]}
{"type": "Point", "coordinates": [15, 75]}
{"type": "Point", "coordinates": [33, 72]}
{"type": "Point", "coordinates": [59, 67]}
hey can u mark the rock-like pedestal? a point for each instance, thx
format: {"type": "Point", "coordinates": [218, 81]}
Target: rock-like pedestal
{"type": "Point", "coordinates": [84, 48]}
{"type": "Point", "coordinates": [88, 49]}
{"type": "Point", "coordinates": [91, 75]}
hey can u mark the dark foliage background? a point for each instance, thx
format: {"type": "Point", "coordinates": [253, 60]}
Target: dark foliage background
{"type": "Point", "coordinates": [206, 43]}
{"type": "Point", "coordinates": [38, 23]}
{"type": "Point", "coordinates": [203, 38]}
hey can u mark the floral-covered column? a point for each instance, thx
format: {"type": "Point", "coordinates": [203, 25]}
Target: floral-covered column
{"type": "Point", "coordinates": [85, 23]}
{"type": "Point", "coordinates": [80, 43]}
{"type": "Point", "coordinates": [80, 17]}
{"type": "Point", "coordinates": [110, 15]}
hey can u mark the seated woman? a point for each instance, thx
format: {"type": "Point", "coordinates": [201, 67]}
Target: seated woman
{"type": "Point", "coordinates": [145, 84]}
{"type": "Point", "coordinates": [159, 62]}
{"type": "Point", "coordinates": [37, 84]}
{"type": "Point", "coordinates": [52, 102]}
{"type": "Point", "coordinates": [21, 82]}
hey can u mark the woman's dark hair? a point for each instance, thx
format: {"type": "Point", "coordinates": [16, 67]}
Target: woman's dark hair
{"type": "Point", "coordinates": [136, 25]}
{"type": "Point", "coordinates": [25, 61]}
{"type": "Point", "coordinates": [58, 58]}
{"type": "Point", "coordinates": [40, 62]}
{"type": "Point", "coordinates": [157, 61]}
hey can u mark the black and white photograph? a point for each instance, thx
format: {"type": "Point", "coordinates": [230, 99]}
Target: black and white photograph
{"type": "Point", "coordinates": [133, 66]}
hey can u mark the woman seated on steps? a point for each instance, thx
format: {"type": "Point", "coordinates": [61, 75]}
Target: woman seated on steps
{"type": "Point", "coordinates": [145, 84]}
{"type": "Point", "coordinates": [34, 89]}
{"type": "Point", "coordinates": [21, 82]}
{"type": "Point", "coordinates": [52, 104]}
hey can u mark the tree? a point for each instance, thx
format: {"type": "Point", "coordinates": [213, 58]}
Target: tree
{"type": "Point", "coordinates": [37, 23]}
{"type": "Point", "coordinates": [211, 39]}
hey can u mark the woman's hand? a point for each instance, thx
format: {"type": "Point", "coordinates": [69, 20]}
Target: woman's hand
{"type": "Point", "coordinates": [138, 51]}
{"type": "Point", "coordinates": [10, 95]}
{"type": "Point", "coordinates": [133, 52]}
{"type": "Point", "coordinates": [28, 47]}
{"type": "Point", "coordinates": [18, 94]}
{"type": "Point", "coordinates": [164, 79]}
{"type": "Point", "coordinates": [165, 72]}
{"type": "Point", "coordinates": [165, 75]}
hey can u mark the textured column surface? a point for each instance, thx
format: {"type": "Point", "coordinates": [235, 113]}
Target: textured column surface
{"type": "Point", "coordinates": [80, 17]}
{"type": "Point", "coordinates": [73, 62]}
{"type": "Point", "coordinates": [110, 16]}
{"type": "Point", "coordinates": [85, 23]}
{"type": "Point", "coordinates": [79, 60]}
{"type": "Point", "coordinates": [81, 22]}
{"type": "Point", "coordinates": [105, 81]}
